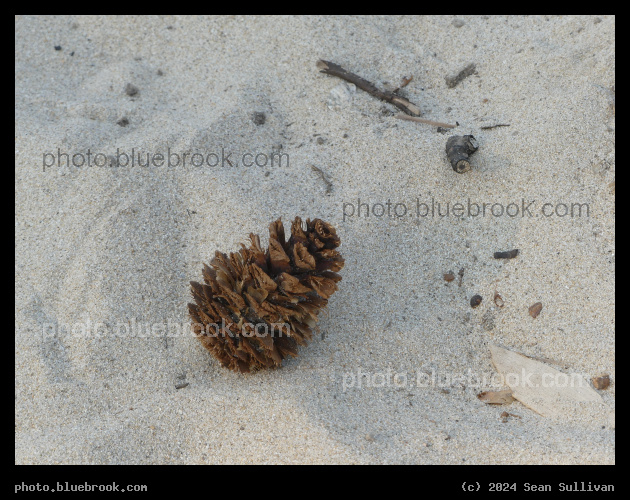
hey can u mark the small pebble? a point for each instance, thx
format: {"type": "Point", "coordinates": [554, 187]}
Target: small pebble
{"type": "Point", "coordinates": [498, 300]}
{"type": "Point", "coordinates": [57, 47]}
{"type": "Point", "coordinates": [510, 254]}
{"type": "Point", "coordinates": [131, 89]}
{"type": "Point", "coordinates": [534, 310]}
{"type": "Point", "coordinates": [458, 23]}
{"type": "Point", "coordinates": [181, 386]}
{"type": "Point", "coordinates": [449, 277]}
{"type": "Point", "coordinates": [475, 300]}
{"type": "Point", "coordinates": [259, 118]}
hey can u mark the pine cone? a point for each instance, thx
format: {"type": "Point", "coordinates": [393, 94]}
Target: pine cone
{"type": "Point", "coordinates": [256, 307]}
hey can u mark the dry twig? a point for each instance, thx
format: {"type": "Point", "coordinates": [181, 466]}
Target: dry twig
{"type": "Point", "coordinates": [333, 69]}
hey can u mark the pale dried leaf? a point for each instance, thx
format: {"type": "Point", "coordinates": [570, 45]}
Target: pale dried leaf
{"type": "Point", "coordinates": [547, 391]}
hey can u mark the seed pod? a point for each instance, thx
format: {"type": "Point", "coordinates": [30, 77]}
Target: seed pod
{"type": "Point", "coordinates": [602, 382]}
{"type": "Point", "coordinates": [458, 149]}
{"type": "Point", "coordinates": [534, 310]}
{"type": "Point", "coordinates": [475, 300]}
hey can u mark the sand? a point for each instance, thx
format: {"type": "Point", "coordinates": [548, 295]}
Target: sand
{"type": "Point", "coordinates": [102, 249]}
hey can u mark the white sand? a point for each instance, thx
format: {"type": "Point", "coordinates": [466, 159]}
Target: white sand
{"type": "Point", "coordinates": [114, 245]}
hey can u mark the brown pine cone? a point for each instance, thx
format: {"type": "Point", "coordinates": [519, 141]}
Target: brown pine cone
{"type": "Point", "coordinates": [256, 307]}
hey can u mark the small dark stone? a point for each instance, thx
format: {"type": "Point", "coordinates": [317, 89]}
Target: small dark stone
{"type": "Point", "coordinates": [181, 386]}
{"type": "Point", "coordinates": [160, 72]}
{"type": "Point", "coordinates": [123, 122]}
{"type": "Point", "coordinates": [131, 89]}
{"type": "Point", "coordinates": [510, 254]}
{"type": "Point", "coordinates": [320, 140]}
{"type": "Point", "coordinates": [57, 47]}
{"type": "Point", "coordinates": [259, 118]}
{"type": "Point", "coordinates": [72, 53]}
{"type": "Point", "coordinates": [475, 300]}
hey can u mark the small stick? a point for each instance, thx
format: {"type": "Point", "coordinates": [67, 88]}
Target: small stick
{"type": "Point", "coordinates": [458, 150]}
{"type": "Point", "coordinates": [486, 127]}
{"type": "Point", "coordinates": [422, 120]}
{"type": "Point", "coordinates": [333, 69]}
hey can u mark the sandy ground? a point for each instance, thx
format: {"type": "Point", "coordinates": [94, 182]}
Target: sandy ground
{"type": "Point", "coordinates": [118, 245]}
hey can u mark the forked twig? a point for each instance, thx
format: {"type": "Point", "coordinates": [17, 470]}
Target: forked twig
{"type": "Point", "coordinates": [333, 69]}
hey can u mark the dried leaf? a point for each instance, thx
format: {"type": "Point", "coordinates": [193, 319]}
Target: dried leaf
{"type": "Point", "coordinates": [546, 390]}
